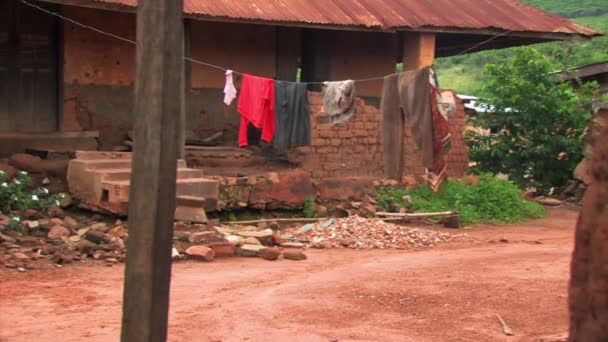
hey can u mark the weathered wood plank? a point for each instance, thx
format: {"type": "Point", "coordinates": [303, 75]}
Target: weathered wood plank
{"type": "Point", "coordinates": [158, 107]}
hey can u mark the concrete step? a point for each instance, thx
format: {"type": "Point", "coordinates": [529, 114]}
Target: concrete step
{"type": "Point", "coordinates": [118, 191]}
{"type": "Point", "coordinates": [191, 208]}
{"type": "Point", "coordinates": [125, 174]}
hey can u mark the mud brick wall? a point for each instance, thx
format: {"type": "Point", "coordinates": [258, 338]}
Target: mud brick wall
{"type": "Point", "coordinates": [346, 150]}
{"type": "Point", "coordinates": [458, 158]}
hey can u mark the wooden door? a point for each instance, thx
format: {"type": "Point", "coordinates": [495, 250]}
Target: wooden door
{"type": "Point", "coordinates": [28, 69]}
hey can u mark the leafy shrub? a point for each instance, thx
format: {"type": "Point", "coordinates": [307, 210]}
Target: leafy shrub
{"type": "Point", "coordinates": [540, 121]}
{"type": "Point", "coordinates": [309, 207]}
{"type": "Point", "coordinates": [17, 195]}
{"type": "Point", "coordinates": [491, 201]}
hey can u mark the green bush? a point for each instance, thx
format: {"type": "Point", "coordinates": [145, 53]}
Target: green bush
{"type": "Point", "coordinates": [17, 195]}
{"type": "Point", "coordinates": [491, 201]}
{"type": "Point", "coordinates": [309, 207]}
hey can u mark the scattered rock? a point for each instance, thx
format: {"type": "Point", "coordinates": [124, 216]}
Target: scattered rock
{"type": "Point", "coordinates": [86, 247]}
{"type": "Point", "coordinates": [368, 210]}
{"type": "Point", "coordinates": [201, 252]}
{"type": "Point", "coordinates": [63, 257]}
{"type": "Point", "coordinates": [83, 231]}
{"type": "Point", "coordinates": [223, 250]}
{"type": "Point", "coordinates": [100, 227]}
{"type": "Point", "coordinates": [97, 237]}
{"type": "Point", "coordinates": [55, 212]}
{"type": "Point", "coordinates": [181, 236]}
{"type": "Point", "coordinates": [550, 202]}
{"type": "Point", "coordinates": [292, 245]}
{"type": "Point", "coordinates": [270, 253]}
{"type": "Point", "coordinates": [118, 232]}
{"type": "Point", "coordinates": [264, 236]}
{"type": "Point", "coordinates": [58, 232]}
{"type": "Point", "coordinates": [276, 239]}
{"type": "Point", "coordinates": [117, 244]}
{"type": "Point", "coordinates": [6, 238]}
{"type": "Point", "coordinates": [294, 255]}
{"type": "Point", "coordinates": [70, 222]}
{"type": "Point", "coordinates": [202, 237]}
{"type": "Point", "coordinates": [46, 224]}
{"type": "Point", "coordinates": [274, 225]}
{"type": "Point", "coordinates": [250, 250]}
{"type": "Point", "coordinates": [74, 238]}
{"type": "Point", "coordinates": [56, 221]}
{"type": "Point", "coordinates": [175, 254]}
{"type": "Point", "coordinates": [21, 256]}
{"type": "Point", "coordinates": [236, 240]}
{"type": "Point", "coordinates": [32, 214]}
{"type": "Point", "coordinates": [112, 260]}
{"type": "Point", "coordinates": [65, 200]}
{"type": "Point", "coordinates": [251, 241]}
{"type": "Point", "coordinates": [305, 228]}
{"type": "Point", "coordinates": [28, 225]}
{"type": "Point", "coordinates": [318, 242]}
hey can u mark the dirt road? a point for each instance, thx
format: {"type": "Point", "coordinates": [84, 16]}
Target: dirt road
{"type": "Point", "coordinates": [450, 293]}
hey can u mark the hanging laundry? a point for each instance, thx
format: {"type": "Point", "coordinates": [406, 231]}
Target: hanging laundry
{"type": "Point", "coordinates": [441, 140]}
{"type": "Point", "coordinates": [256, 105]}
{"type": "Point", "coordinates": [339, 101]}
{"type": "Point", "coordinates": [229, 89]}
{"type": "Point", "coordinates": [411, 97]}
{"type": "Point", "coordinates": [406, 97]}
{"type": "Point", "coordinates": [292, 115]}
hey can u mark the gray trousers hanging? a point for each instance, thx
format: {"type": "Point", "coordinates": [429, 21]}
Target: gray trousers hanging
{"type": "Point", "coordinates": [406, 98]}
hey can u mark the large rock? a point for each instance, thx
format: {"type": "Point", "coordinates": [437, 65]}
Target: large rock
{"type": "Point", "coordinates": [70, 222]}
{"type": "Point", "coordinates": [97, 237]}
{"type": "Point", "coordinates": [86, 247]}
{"type": "Point", "coordinates": [201, 253]}
{"type": "Point", "coordinates": [205, 237]}
{"type": "Point", "coordinates": [223, 250]}
{"type": "Point", "coordinates": [58, 233]}
{"type": "Point", "coordinates": [294, 255]}
{"type": "Point", "coordinates": [250, 250]}
{"type": "Point", "coordinates": [266, 236]}
{"type": "Point", "coordinates": [118, 232]}
{"type": "Point", "coordinates": [270, 253]}
{"type": "Point", "coordinates": [6, 238]}
{"type": "Point", "coordinates": [26, 162]}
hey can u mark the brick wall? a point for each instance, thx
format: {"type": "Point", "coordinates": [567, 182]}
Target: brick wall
{"type": "Point", "coordinates": [350, 149]}
{"type": "Point", "coordinates": [354, 149]}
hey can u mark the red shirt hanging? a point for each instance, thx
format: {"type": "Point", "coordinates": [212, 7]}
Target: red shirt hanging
{"type": "Point", "coordinates": [256, 105]}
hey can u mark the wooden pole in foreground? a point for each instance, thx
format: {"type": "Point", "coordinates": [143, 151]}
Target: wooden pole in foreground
{"type": "Point", "coordinates": [158, 93]}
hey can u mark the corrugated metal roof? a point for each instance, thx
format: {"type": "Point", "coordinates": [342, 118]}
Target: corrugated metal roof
{"type": "Point", "coordinates": [496, 15]}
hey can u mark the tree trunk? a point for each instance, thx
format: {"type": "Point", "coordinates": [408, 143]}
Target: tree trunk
{"type": "Point", "coordinates": [589, 278]}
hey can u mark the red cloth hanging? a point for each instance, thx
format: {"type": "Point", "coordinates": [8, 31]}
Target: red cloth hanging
{"type": "Point", "coordinates": [256, 105]}
{"type": "Point", "coordinates": [441, 144]}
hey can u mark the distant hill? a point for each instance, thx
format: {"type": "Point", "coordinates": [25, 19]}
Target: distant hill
{"type": "Point", "coordinates": [464, 73]}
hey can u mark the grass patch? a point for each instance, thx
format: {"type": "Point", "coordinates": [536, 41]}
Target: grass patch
{"type": "Point", "coordinates": [491, 201]}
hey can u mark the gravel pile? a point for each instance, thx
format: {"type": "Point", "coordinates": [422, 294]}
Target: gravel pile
{"type": "Point", "coordinates": [362, 233]}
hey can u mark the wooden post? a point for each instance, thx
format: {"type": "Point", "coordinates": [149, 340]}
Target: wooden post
{"type": "Point", "coordinates": [158, 106]}
{"type": "Point", "coordinates": [418, 50]}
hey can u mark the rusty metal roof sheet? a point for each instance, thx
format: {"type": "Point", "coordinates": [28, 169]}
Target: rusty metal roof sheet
{"type": "Point", "coordinates": [463, 15]}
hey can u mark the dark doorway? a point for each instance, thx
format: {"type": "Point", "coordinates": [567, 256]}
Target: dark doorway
{"type": "Point", "coordinates": [28, 69]}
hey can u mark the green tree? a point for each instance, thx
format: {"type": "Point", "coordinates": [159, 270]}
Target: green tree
{"type": "Point", "coordinates": [539, 121]}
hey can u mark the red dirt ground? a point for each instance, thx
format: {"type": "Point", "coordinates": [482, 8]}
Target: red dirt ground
{"type": "Point", "coordinates": [450, 293]}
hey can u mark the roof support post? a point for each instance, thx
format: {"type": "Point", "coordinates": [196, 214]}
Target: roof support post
{"type": "Point", "coordinates": [418, 49]}
{"type": "Point", "coordinates": [158, 108]}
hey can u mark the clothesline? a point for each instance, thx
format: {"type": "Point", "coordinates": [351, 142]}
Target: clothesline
{"type": "Point", "coordinates": [189, 59]}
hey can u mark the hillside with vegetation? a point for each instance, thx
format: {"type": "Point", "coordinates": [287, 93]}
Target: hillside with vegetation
{"type": "Point", "coordinates": [465, 73]}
